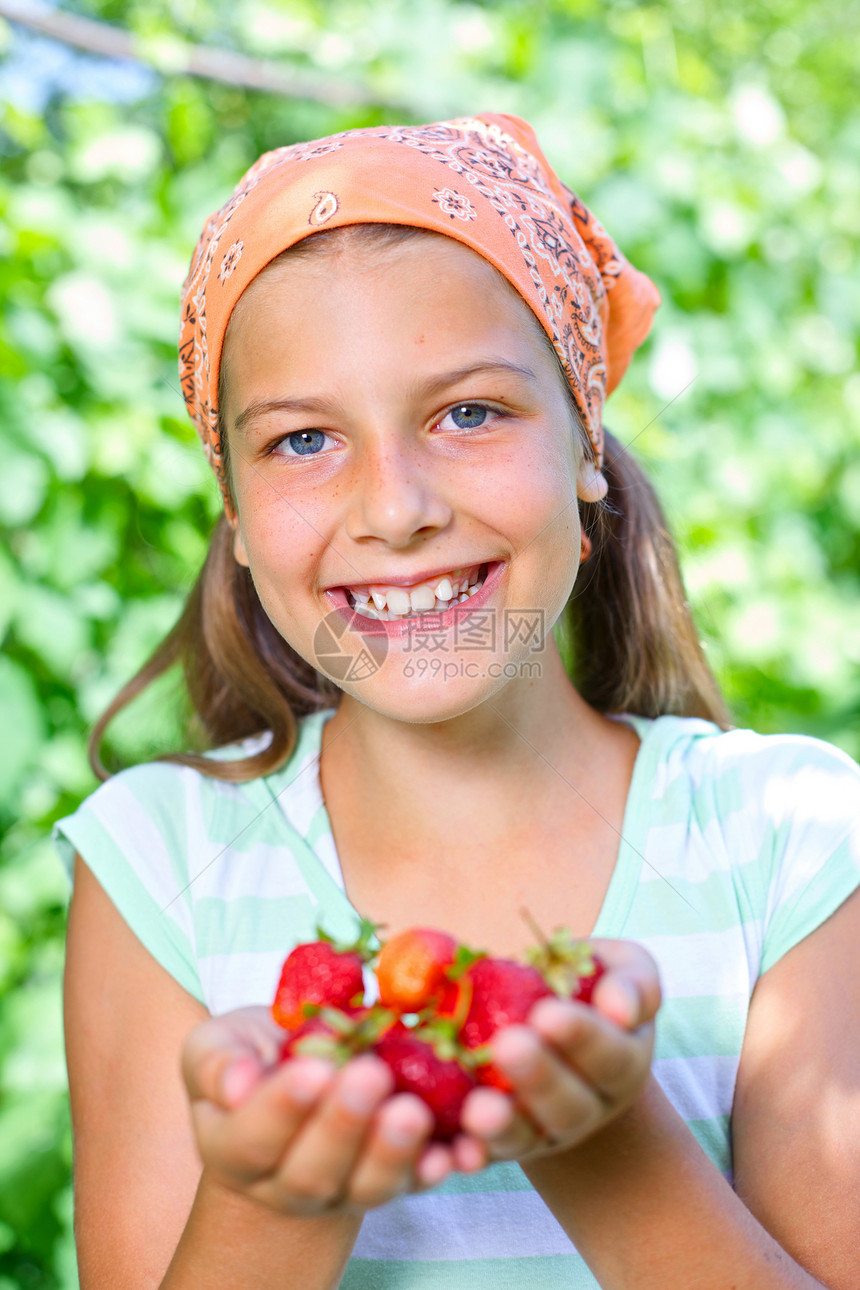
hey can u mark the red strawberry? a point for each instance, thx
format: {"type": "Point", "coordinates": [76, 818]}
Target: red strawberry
{"type": "Point", "coordinates": [584, 988]}
{"type": "Point", "coordinates": [412, 968]}
{"type": "Point", "coordinates": [418, 1068]}
{"type": "Point", "coordinates": [318, 973]}
{"type": "Point", "coordinates": [503, 993]}
{"type": "Point", "coordinates": [569, 966]}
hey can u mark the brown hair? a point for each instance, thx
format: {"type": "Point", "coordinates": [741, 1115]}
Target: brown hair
{"type": "Point", "coordinates": [632, 643]}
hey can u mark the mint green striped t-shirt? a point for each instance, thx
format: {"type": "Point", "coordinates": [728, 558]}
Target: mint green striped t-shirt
{"type": "Point", "coordinates": [735, 846]}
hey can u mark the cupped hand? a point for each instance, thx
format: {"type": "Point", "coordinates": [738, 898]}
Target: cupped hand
{"type": "Point", "coordinates": [300, 1136]}
{"type": "Point", "coordinates": [573, 1067]}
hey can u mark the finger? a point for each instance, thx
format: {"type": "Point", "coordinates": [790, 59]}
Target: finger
{"type": "Point", "coordinates": [555, 1096]}
{"type": "Point", "coordinates": [248, 1035]}
{"type": "Point", "coordinates": [248, 1143]}
{"type": "Point", "coordinates": [491, 1118]}
{"type": "Point", "coordinates": [629, 993]}
{"type": "Point", "coordinates": [470, 1154]}
{"type": "Point", "coordinates": [314, 1174]}
{"type": "Point", "coordinates": [434, 1165]}
{"type": "Point", "coordinates": [386, 1167]}
{"type": "Point", "coordinates": [611, 1061]}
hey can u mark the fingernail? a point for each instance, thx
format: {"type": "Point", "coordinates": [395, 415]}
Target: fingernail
{"type": "Point", "coordinates": [237, 1080]}
{"type": "Point", "coordinates": [558, 1015]}
{"type": "Point", "coordinates": [622, 1004]}
{"type": "Point", "coordinates": [361, 1101]}
{"type": "Point", "coordinates": [515, 1051]}
{"type": "Point", "coordinates": [361, 1090]}
{"type": "Point", "coordinates": [435, 1166]}
{"type": "Point", "coordinates": [401, 1135]}
{"type": "Point", "coordinates": [307, 1079]}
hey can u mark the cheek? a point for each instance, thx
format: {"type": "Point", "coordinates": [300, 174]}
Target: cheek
{"type": "Point", "coordinates": [543, 485]}
{"type": "Point", "coordinates": [272, 525]}
{"type": "Point", "coordinates": [281, 551]}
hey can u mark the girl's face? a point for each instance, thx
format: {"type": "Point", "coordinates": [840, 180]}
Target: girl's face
{"type": "Point", "coordinates": [398, 425]}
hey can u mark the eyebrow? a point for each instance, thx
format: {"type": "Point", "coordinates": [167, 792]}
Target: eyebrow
{"type": "Point", "coordinates": [422, 389]}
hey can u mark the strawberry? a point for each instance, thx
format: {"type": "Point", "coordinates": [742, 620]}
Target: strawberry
{"type": "Point", "coordinates": [585, 984]}
{"type": "Point", "coordinates": [570, 967]}
{"type": "Point", "coordinates": [412, 968]}
{"type": "Point", "coordinates": [503, 993]}
{"type": "Point", "coordinates": [419, 1067]}
{"type": "Point", "coordinates": [321, 972]}
{"type": "Point", "coordinates": [337, 1034]}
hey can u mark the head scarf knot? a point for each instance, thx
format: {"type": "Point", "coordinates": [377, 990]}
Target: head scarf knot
{"type": "Point", "coordinates": [481, 180]}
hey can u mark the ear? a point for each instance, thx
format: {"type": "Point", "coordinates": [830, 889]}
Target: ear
{"type": "Point", "coordinates": [591, 485]}
{"type": "Point", "coordinates": [240, 555]}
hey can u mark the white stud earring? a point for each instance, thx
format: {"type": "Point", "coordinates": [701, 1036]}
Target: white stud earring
{"type": "Point", "coordinates": [591, 484]}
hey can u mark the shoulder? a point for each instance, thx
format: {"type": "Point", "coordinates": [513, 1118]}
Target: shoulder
{"type": "Point", "coordinates": [205, 870]}
{"type": "Point", "coordinates": [771, 823]}
{"type": "Point", "coordinates": [168, 807]}
{"type": "Point", "coordinates": [783, 777]}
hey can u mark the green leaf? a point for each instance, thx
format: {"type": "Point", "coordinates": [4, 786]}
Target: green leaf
{"type": "Point", "coordinates": [23, 728]}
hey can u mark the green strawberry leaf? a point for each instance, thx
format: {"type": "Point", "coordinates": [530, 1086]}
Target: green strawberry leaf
{"type": "Point", "coordinates": [463, 960]}
{"type": "Point", "coordinates": [364, 944]}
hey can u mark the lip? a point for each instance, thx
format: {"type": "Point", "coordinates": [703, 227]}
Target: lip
{"type": "Point", "coordinates": [433, 620]}
{"type": "Point", "coordinates": [408, 580]}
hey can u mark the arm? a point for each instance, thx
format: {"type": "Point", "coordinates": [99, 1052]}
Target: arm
{"type": "Point", "coordinates": [143, 1204]}
{"type": "Point", "coordinates": [646, 1207]}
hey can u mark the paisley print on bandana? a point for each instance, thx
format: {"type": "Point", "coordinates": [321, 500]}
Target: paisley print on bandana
{"type": "Point", "coordinates": [453, 204]}
{"type": "Point", "coordinates": [481, 180]}
{"type": "Point", "coordinates": [325, 206]}
{"type": "Point", "coordinates": [231, 259]}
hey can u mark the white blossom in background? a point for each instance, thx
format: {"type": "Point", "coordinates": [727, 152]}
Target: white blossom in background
{"type": "Point", "coordinates": [673, 366]}
{"type": "Point", "coordinates": [758, 116]}
{"type": "Point", "coordinates": [84, 309]}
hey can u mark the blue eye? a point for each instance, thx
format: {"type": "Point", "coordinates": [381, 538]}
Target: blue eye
{"type": "Point", "coordinates": [468, 416]}
{"type": "Point", "coordinates": [305, 442]}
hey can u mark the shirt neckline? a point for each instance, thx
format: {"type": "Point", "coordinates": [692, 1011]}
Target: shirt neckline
{"type": "Point", "coordinates": [626, 872]}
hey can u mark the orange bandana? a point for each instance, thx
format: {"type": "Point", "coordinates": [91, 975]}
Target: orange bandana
{"type": "Point", "coordinates": [481, 180]}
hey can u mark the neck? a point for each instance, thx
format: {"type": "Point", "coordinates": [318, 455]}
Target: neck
{"type": "Point", "coordinates": [462, 823]}
{"type": "Point", "coordinates": [533, 734]}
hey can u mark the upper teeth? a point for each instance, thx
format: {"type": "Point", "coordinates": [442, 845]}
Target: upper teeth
{"type": "Point", "coordinates": [378, 600]}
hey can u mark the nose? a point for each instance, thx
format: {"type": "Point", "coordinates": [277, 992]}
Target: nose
{"type": "Point", "coordinates": [396, 497]}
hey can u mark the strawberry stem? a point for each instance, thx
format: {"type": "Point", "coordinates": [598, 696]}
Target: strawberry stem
{"type": "Point", "coordinates": [533, 926]}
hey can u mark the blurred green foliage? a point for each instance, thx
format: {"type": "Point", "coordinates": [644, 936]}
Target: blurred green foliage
{"type": "Point", "coordinates": [718, 141]}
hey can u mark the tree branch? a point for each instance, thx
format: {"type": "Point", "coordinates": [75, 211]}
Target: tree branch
{"type": "Point", "coordinates": [171, 55]}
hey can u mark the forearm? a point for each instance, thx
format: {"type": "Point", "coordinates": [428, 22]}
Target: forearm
{"type": "Point", "coordinates": [646, 1208]}
{"type": "Point", "coordinates": [230, 1243]}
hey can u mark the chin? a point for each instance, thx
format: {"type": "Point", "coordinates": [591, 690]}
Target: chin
{"type": "Point", "coordinates": [427, 701]}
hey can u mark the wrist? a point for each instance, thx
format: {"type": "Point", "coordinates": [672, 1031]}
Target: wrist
{"type": "Point", "coordinates": [610, 1151]}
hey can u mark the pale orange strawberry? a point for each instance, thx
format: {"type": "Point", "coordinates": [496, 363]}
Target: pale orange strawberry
{"type": "Point", "coordinates": [412, 968]}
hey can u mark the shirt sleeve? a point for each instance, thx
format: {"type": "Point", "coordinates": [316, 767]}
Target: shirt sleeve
{"type": "Point", "coordinates": [131, 833]}
{"type": "Point", "coordinates": [812, 803]}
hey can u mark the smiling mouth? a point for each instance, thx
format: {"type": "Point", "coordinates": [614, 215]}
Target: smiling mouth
{"type": "Point", "coordinates": [388, 603]}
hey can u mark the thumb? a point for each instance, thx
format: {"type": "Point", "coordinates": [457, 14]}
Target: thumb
{"type": "Point", "coordinates": [225, 1058]}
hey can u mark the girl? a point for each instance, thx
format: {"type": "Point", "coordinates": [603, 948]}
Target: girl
{"type": "Point", "coordinates": [396, 345]}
